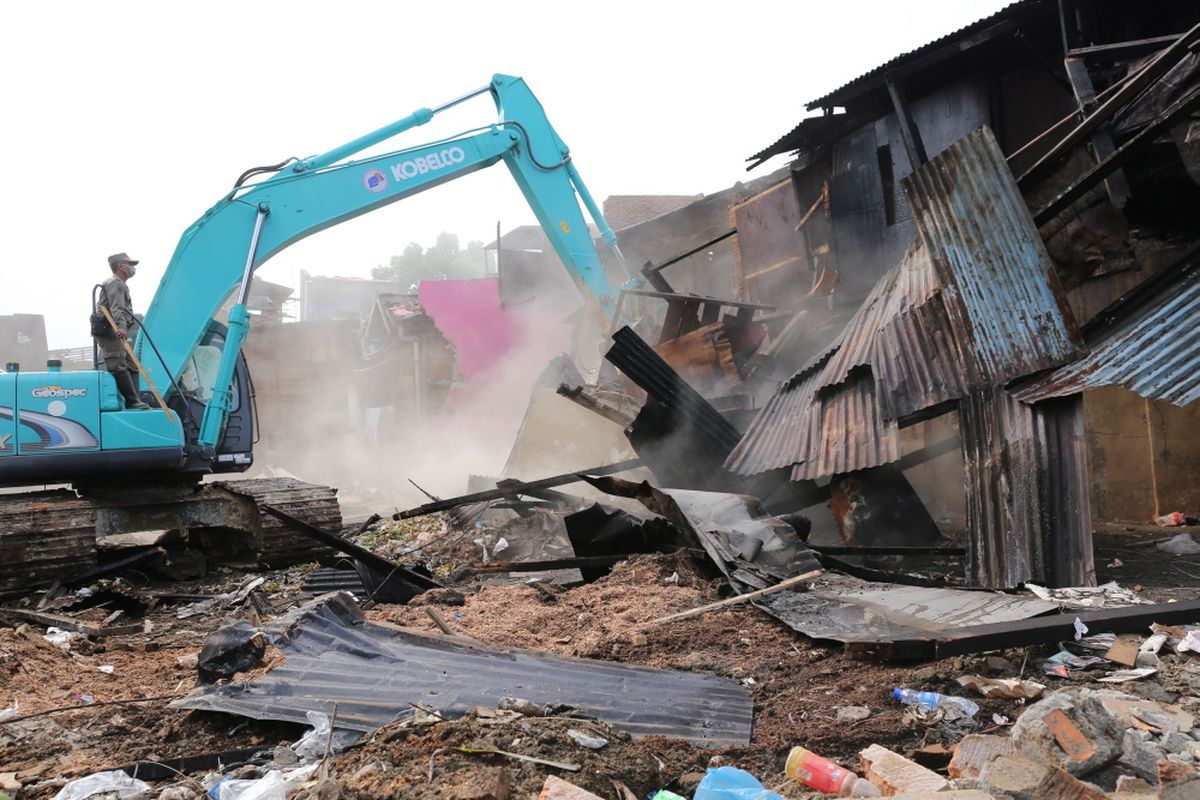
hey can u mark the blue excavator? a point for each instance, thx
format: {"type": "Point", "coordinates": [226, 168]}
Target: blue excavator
{"type": "Point", "coordinates": [139, 470]}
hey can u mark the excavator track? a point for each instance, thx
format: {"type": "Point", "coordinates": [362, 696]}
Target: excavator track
{"type": "Point", "coordinates": [51, 535]}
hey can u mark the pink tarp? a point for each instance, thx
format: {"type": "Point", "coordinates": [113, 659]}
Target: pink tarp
{"type": "Point", "coordinates": [493, 343]}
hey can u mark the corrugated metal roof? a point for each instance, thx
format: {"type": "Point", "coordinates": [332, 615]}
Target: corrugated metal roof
{"type": "Point", "coordinates": [974, 303]}
{"type": "Point", "coordinates": [373, 673]}
{"type": "Point", "coordinates": [847, 432]}
{"type": "Point", "coordinates": [1156, 354]}
{"type": "Point", "coordinates": [1002, 294]}
{"type": "Point", "coordinates": [959, 36]}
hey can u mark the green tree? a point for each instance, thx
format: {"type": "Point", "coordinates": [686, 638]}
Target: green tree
{"type": "Point", "coordinates": [444, 260]}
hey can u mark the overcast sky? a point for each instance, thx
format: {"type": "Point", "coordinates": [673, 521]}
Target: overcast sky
{"type": "Point", "coordinates": [124, 121]}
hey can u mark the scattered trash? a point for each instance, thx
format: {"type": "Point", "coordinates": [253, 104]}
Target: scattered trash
{"type": "Point", "coordinates": [1064, 662]}
{"type": "Point", "coordinates": [1107, 595]}
{"type": "Point", "coordinates": [1080, 629]}
{"type": "Point", "coordinates": [731, 783]}
{"type": "Point", "coordinates": [107, 669]}
{"type": "Point", "coordinates": [1172, 520]}
{"type": "Point", "coordinates": [86, 698]}
{"type": "Point", "coordinates": [673, 578]}
{"type": "Point", "coordinates": [1189, 643]}
{"type": "Point", "coordinates": [1115, 563]}
{"type": "Point", "coordinates": [500, 546]}
{"type": "Point", "coordinates": [663, 794]}
{"type": "Point", "coordinates": [314, 744]}
{"type": "Point", "coordinates": [10, 712]}
{"type": "Point", "coordinates": [1000, 719]}
{"type": "Point", "coordinates": [1123, 675]}
{"type": "Point", "coordinates": [1181, 545]}
{"type": "Point", "coordinates": [229, 650]}
{"type": "Point", "coordinates": [59, 638]}
{"type": "Point", "coordinates": [275, 785]}
{"type": "Point", "coordinates": [810, 769]}
{"type": "Point", "coordinates": [1148, 653]}
{"type": "Point", "coordinates": [585, 740]}
{"type": "Point", "coordinates": [932, 700]}
{"type": "Point", "coordinates": [1003, 687]}
{"type": "Point", "coordinates": [113, 784]}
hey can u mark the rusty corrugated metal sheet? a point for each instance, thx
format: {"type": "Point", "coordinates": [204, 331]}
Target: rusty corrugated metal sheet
{"type": "Point", "coordinates": [1007, 308]}
{"type": "Point", "coordinates": [1028, 514]}
{"type": "Point", "coordinates": [778, 435]}
{"type": "Point", "coordinates": [1156, 354]}
{"type": "Point", "coordinates": [846, 431]}
{"type": "Point", "coordinates": [974, 304]}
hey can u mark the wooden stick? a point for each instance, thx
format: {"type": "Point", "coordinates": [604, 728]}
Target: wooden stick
{"type": "Point", "coordinates": [137, 363]}
{"type": "Point", "coordinates": [730, 601]}
{"type": "Point", "coordinates": [86, 706]}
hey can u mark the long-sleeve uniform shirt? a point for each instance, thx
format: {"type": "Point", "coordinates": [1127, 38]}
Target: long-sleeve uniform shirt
{"type": "Point", "coordinates": [115, 297]}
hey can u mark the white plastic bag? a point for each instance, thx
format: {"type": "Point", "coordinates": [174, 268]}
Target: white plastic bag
{"type": "Point", "coordinates": [103, 782]}
{"type": "Point", "coordinates": [1181, 545]}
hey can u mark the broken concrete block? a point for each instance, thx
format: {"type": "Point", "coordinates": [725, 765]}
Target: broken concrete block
{"type": "Point", "coordinates": [1140, 755]}
{"type": "Point", "coordinates": [1126, 708]}
{"type": "Point", "coordinates": [895, 774]}
{"type": "Point", "coordinates": [558, 789]}
{"type": "Point", "coordinates": [975, 751]}
{"type": "Point", "coordinates": [1092, 733]}
{"type": "Point", "coordinates": [1013, 776]}
{"type": "Point", "coordinates": [1061, 785]}
{"type": "Point", "coordinates": [1178, 781]}
{"type": "Point", "coordinates": [491, 783]}
{"type": "Point", "coordinates": [1129, 785]}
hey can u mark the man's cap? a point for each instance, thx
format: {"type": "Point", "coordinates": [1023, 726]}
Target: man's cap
{"type": "Point", "coordinates": [119, 258]}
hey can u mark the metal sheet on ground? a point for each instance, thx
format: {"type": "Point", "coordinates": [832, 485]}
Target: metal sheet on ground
{"type": "Point", "coordinates": [374, 673]}
{"type": "Point", "coordinates": [849, 610]}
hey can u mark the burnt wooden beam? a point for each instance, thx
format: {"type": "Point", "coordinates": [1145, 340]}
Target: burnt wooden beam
{"type": "Point", "coordinates": [376, 562]}
{"type": "Point", "coordinates": [1104, 112]}
{"type": "Point", "coordinates": [576, 394]}
{"type": "Point", "coordinates": [517, 488]}
{"type": "Point", "coordinates": [1120, 51]}
{"type": "Point", "coordinates": [1102, 141]}
{"type": "Point", "coordinates": [909, 133]}
{"type": "Point", "coordinates": [70, 623]}
{"type": "Point", "coordinates": [549, 565]}
{"type": "Point", "coordinates": [1118, 157]}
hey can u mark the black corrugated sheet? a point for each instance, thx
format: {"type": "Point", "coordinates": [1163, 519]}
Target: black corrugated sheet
{"type": "Point", "coordinates": [373, 673]}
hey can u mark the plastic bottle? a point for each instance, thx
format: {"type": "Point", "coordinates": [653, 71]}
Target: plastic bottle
{"type": "Point", "coordinates": [805, 766]}
{"type": "Point", "coordinates": [911, 697]}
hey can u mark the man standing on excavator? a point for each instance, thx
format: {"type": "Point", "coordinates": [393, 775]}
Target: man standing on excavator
{"type": "Point", "coordinates": [115, 297]}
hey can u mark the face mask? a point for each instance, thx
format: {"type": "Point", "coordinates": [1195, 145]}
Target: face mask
{"type": "Point", "coordinates": [132, 269]}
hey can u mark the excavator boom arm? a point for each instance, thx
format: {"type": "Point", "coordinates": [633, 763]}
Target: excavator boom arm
{"type": "Point", "coordinates": [253, 223]}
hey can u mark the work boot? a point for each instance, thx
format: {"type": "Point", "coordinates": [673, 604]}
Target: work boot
{"type": "Point", "coordinates": [128, 390]}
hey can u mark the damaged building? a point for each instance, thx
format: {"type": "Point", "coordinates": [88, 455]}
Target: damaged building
{"type": "Point", "coordinates": [954, 225]}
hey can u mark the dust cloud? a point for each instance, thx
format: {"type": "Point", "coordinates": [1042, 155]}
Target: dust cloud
{"type": "Point", "coordinates": [329, 437]}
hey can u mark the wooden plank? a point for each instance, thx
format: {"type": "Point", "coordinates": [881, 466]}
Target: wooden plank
{"type": "Point", "coordinates": [70, 623]}
{"type": "Point", "coordinates": [1119, 51]}
{"type": "Point", "coordinates": [909, 133]}
{"type": "Point", "coordinates": [1124, 650]}
{"type": "Point", "coordinates": [1102, 141]}
{"type": "Point", "coordinates": [1105, 111]}
{"type": "Point", "coordinates": [731, 601]}
{"type": "Point", "coordinates": [500, 494]}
